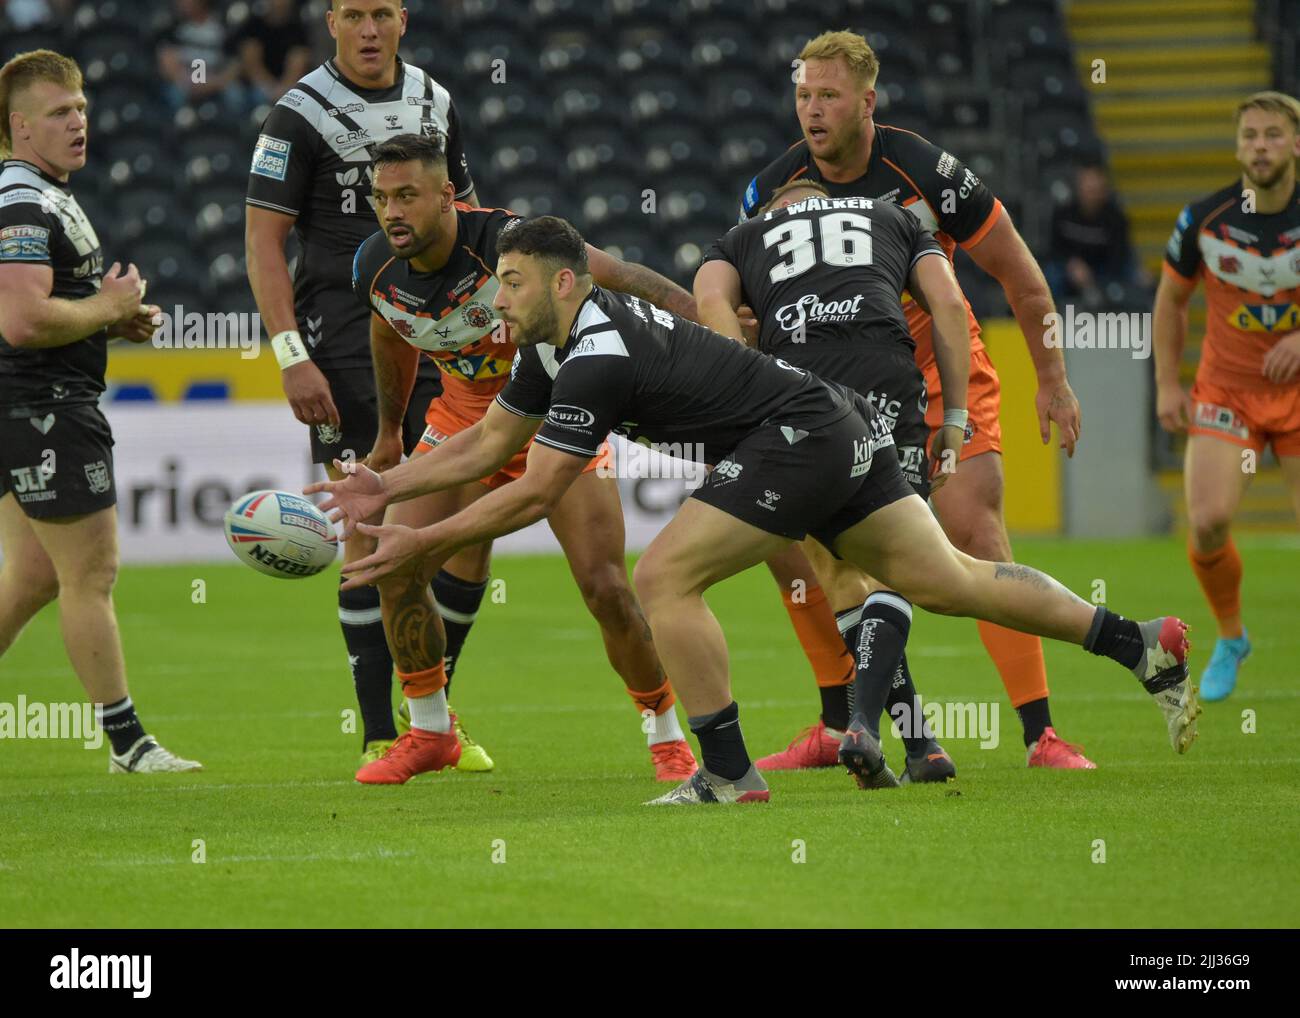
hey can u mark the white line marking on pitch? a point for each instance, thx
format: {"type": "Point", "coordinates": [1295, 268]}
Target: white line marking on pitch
{"type": "Point", "coordinates": [216, 860]}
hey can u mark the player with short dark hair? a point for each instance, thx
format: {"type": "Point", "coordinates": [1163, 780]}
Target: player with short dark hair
{"type": "Point", "coordinates": [793, 455]}
{"type": "Point", "coordinates": [311, 175]}
{"type": "Point", "coordinates": [58, 309]}
{"type": "Point", "coordinates": [1243, 241]}
{"type": "Point", "coordinates": [824, 277]}
{"type": "Point", "coordinates": [428, 279]}
{"type": "Point", "coordinates": [845, 150]}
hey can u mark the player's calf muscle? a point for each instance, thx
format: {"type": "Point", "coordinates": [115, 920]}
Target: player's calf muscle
{"type": "Point", "coordinates": [416, 637]}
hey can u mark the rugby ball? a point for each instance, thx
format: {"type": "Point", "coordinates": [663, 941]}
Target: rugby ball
{"type": "Point", "coordinates": [280, 534]}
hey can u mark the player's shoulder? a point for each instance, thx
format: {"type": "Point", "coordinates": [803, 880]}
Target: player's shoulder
{"type": "Point", "coordinates": [418, 80]}
{"type": "Point", "coordinates": [308, 101]}
{"type": "Point", "coordinates": [1195, 213]}
{"type": "Point", "coordinates": [908, 148]}
{"type": "Point", "coordinates": [603, 326]}
{"type": "Point", "coordinates": [371, 255]}
{"type": "Point", "coordinates": [21, 185]}
{"type": "Point", "coordinates": [928, 165]}
{"type": "Point", "coordinates": [791, 163]}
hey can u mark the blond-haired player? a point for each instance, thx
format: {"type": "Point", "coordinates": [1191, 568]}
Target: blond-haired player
{"type": "Point", "coordinates": [851, 155]}
{"type": "Point", "coordinates": [1243, 241]}
{"type": "Point", "coordinates": [58, 308]}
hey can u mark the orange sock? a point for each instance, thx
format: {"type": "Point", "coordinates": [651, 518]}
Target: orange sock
{"type": "Point", "coordinates": [1219, 573]}
{"type": "Point", "coordinates": [1018, 658]}
{"type": "Point", "coordinates": [424, 683]}
{"type": "Point", "coordinates": [819, 635]}
{"type": "Point", "coordinates": [657, 700]}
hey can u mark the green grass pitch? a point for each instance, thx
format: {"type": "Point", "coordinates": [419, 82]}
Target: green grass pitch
{"type": "Point", "coordinates": [253, 683]}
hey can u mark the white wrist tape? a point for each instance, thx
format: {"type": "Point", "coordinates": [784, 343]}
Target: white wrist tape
{"type": "Point", "coordinates": [955, 419]}
{"type": "Point", "coordinates": [289, 349]}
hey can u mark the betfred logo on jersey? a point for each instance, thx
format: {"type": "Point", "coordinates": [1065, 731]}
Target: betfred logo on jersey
{"type": "Point", "coordinates": [271, 157]}
{"type": "Point", "coordinates": [811, 308]}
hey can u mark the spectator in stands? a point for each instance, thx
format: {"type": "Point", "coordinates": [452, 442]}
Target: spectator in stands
{"type": "Point", "coordinates": [273, 51]}
{"type": "Point", "coordinates": [194, 58]}
{"type": "Point", "coordinates": [20, 15]}
{"type": "Point", "coordinates": [1090, 241]}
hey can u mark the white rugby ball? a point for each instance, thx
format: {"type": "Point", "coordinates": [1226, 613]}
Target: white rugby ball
{"type": "Point", "coordinates": [280, 534]}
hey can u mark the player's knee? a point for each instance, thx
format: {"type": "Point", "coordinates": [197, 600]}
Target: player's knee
{"type": "Point", "coordinates": [1209, 525]}
{"type": "Point", "coordinates": [648, 579]}
{"type": "Point", "coordinates": [946, 591]}
{"type": "Point", "coordinates": [95, 577]}
{"type": "Point", "coordinates": [607, 594]}
{"type": "Point", "coordinates": [34, 584]}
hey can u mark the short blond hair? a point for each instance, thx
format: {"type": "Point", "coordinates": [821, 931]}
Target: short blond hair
{"type": "Point", "coordinates": [25, 70]}
{"type": "Point", "coordinates": [849, 47]}
{"type": "Point", "coordinates": [799, 184]}
{"type": "Point", "coordinates": [1272, 102]}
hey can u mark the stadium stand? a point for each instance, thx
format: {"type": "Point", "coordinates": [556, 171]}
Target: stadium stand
{"type": "Point", "coordinates": [703, 102]}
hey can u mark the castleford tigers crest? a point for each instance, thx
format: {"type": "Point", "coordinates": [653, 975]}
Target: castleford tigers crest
{"type": "Point", "coordinates": [476, 315]}
{"type": "Point", "coordinates": [403, 328]}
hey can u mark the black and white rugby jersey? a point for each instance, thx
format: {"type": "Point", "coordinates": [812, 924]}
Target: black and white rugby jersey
{"type": "Point", "coordinates": [639, 371]}
{"type": "Point", "coordinates": [312, 161]}
{"type": "Point", "coordinates": [42, 224]}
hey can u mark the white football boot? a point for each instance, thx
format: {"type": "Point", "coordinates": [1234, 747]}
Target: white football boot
{"type": "Point", "coordinates": [147, 757]}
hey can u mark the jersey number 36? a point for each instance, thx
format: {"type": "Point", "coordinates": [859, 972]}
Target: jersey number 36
{"type": "Point", "coordinates": [842, 243]}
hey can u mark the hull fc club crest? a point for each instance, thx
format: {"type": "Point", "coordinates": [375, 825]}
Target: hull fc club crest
{"type": "Point", "coordinates": [98, 476]}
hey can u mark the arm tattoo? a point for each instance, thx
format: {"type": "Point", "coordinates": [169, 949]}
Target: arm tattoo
{"type": "Point", "coordinates": [660, 291]}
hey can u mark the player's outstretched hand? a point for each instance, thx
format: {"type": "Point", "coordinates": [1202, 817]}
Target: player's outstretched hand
{"type": "Point", "coordinates": [400, 552]}
{"type": "Point", "coordinates": [309, 394]}
{"type": "Point", "coordinates": [1282, 362]}
{"type": "Point", "coordinates": [1173, 407]}
{"type": "Point", "coordinates": [1058, 403]}
{"type": "Point", "coordinates": [359, 497]}
{"type": "Point", "coordinates": [140, 327]}
{"type": "Point", "coordinates": [944, 455]}
{"type": "Point", "coordinates": [386, 453]}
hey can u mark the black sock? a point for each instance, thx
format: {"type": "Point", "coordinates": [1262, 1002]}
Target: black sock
{"type": "Point", "coordinates": [372, 665]}
{"type": "Point", "coordinates": [886, 619]}
{"type": "Point", "coordinates": [835, 706]}
{"type": "Point", "coordinates": [121, 724]}
{"type": "Point", "coordinates": [904, 706]}
{"type": "Point", "coordinates": [1115, 637]}
{"type": "Point", "coordinates": [721, 744]}
{"type": "Point", "coordinates": [1034, 716]}
{"type": "Point", "coordinates": [457, 602]}
{"type": "Point", "coordinates": [850, 623]}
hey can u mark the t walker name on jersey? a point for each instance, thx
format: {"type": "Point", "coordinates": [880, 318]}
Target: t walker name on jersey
{"type": "Point", "coordinates": [23, 720]}
{"type": "Point", "coordinates": [182, 330]}
{"type": "Point", "coordinates": [1087, 330]}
